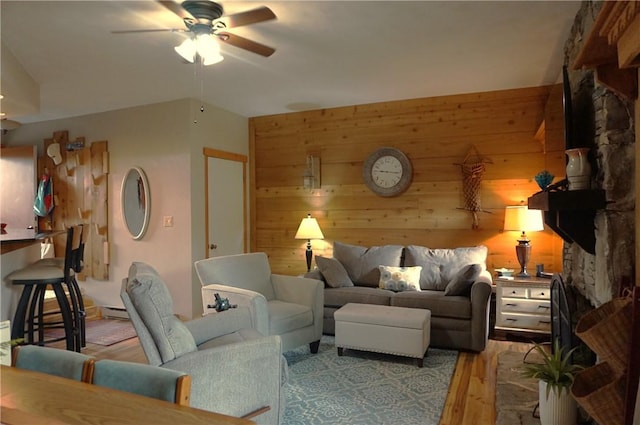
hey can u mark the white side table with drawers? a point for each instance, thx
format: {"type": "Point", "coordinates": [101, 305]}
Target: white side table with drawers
{"type": "Point", "coordinates": [523, 304]}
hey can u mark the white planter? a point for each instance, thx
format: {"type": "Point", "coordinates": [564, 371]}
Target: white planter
{"type": "Point", "coordinates": [556, 410]}
{"type": "Point", "coordinates": [578, 168]}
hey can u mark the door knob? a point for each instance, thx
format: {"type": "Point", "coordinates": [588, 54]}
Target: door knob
{"type": "Point", "coordinates": [213, 246]}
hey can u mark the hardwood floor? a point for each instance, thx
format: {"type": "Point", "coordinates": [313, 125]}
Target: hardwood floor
{"type": "Point", "coordinates": [471, 397]}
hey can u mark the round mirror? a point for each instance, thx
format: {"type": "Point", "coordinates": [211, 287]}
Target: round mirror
{"type": "Point", "coordinates": [135, 202]}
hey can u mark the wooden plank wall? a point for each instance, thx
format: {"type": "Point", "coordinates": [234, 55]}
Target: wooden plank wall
{"type": "Point", "coordinates": [519, 131]}
{"type": "Point", "coordinates": [80, 188]}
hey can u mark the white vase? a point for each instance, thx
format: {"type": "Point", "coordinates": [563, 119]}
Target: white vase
{"type": "Point", "coordinates": [578, 168]}
{"type": "Point", "coordinates": [556, 410]}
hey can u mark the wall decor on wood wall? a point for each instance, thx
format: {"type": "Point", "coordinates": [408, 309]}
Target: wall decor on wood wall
{"type": "Point", "coordinates": [387, 172]}
{"type": "Point", "coordinates": [79, 174]}
{"type": "Point", "coordinates": [473, 168]}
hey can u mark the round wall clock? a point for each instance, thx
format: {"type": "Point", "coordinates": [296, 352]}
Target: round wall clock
{"type": "Point", "coordinates": [387, 172]}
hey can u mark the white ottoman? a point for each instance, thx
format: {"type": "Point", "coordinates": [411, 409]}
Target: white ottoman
{"type": "Point", "coordinates": [383, 329]}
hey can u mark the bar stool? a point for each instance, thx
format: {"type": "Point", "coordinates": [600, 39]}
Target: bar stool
{"type": "Point", "coordinates": [73, 263]}
{"type": "Point", "coordinates": [35, 279]}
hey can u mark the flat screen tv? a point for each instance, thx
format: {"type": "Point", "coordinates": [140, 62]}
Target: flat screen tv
{"type": "Point", "coordinates": [567, 109]}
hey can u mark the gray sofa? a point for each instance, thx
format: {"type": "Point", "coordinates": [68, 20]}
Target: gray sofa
{"type": "Point", "coordinates": [453, 284]}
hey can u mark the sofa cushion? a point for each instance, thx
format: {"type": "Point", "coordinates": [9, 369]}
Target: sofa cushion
{"type": "Point", "coordinates": [152, 300]}
{"type": "Point", "coordinates": [362, 263]}
{"type": "Point", "coordinates": [337, 297]}
{"type": "Point", "coordinates": [461, 282]}
{"type": "Point", "coordinates": [454, 307]}
{"type": "Point", "coordinates": [400, 279]}
{"type": "Point", "coordinates": [440, 265]}
{"type": "Point", "coordinates": [333, 272]}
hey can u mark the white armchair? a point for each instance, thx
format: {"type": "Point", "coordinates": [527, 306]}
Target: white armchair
{"type": "Point", "coordinates": [234, 369]}
{"type": "Point", "coordinates": [288, 306]}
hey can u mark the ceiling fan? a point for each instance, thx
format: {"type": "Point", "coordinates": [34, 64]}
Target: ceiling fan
{"type": "Point", "coordinates": [205, 25]}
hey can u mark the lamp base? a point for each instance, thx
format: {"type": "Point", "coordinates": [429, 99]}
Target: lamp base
{"type": "Point", "coordinates": [309, 255]}
{"type": "Point", "coordinates": [523, 252]}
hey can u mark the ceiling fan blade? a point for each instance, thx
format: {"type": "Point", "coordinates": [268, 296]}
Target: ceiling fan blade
{"type": "Point", "coordinates": [149, 30]}
{"type": "Point", "coordinates": [249, 17]}
{"type": "Point", "coordinates": [177, 9]}
{"type": "Point", "coordinates": [246, 44]}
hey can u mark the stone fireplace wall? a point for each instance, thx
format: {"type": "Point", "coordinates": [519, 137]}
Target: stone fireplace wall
{"type": "Point", "coordinates": [604, 121]}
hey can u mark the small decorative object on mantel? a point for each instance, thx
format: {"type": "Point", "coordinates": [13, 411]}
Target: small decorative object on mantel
{"type": "Point", "coordinates": [544, 178]}
{"type": "Point", "coordinates": [578, 168]}
{"type": "Point", "coordinates": [473, 168]}
{"type": "Point", "coordinates": [221, 304]}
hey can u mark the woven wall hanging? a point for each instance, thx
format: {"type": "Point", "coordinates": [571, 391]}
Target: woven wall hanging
{"type": "Point", "coordinates": [473, 167]}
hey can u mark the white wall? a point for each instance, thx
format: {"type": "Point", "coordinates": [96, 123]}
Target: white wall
{"type": "Point", "coordinates": [218, 129]}
{"type": "Point", "coordinates": [166, 143]}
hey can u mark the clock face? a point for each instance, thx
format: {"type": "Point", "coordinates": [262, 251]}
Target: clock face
{"type": "Point", "coordinates": [387, 172]}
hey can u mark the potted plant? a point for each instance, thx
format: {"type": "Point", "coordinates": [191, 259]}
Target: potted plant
{"type": "Point", "coordinates": [555, 374]}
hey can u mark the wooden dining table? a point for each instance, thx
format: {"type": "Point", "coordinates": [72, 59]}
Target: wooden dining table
{"type": "Point", "coordinates": [34, 398]}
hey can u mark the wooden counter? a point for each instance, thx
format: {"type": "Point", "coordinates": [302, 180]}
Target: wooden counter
{"type": "Point", "coordinates": [13, 239]}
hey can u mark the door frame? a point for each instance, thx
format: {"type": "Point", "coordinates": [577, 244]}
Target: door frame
{"type": "Point", "coordinates": [229, 156]}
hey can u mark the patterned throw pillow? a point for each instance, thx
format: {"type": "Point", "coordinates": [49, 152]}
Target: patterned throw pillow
{"type": "Point", "coordinates": [400, 279]}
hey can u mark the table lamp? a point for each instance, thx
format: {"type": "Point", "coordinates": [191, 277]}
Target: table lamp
{"type": "Point", "coordinates": [308, 230]}
{"type": "Point", "coordinates": [522, 219]}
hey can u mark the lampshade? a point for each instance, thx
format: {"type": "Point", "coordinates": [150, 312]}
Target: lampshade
{"type": "Point", "coordinates": [522, 219]}
{"type": "Point", "coordinates": [309, 229]}
{"type": "Point", "coordinates": [204, 45]}
{"type": "Point", "coordinates": [208, 48]}
{"type": "Point", "coordinates": [187, 50]}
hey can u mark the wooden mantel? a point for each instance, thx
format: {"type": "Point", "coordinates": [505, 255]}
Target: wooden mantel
{"type": "Point", "coordinates": [612, 47]}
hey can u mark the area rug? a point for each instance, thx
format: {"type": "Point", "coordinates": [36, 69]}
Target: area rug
{"type": "Point", "coordinates": [516, 396]}
{"type": "Point", "coordinates": [102, 332]}
{"type": "Point", "coordinates": [362, 388]}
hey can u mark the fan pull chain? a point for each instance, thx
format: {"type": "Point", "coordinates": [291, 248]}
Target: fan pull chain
{"type": "Point", "coordinates": [201, 85]}
{"type": "Point", "coordinates": [198, 71]}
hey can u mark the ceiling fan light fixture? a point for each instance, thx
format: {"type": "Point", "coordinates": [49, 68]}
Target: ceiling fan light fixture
{"type": "Point", "coordinates": [208, 49]}
{"type": "Point", "coordinates": [187, 49]}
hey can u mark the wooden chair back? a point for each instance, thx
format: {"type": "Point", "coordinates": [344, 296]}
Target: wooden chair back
{"type": "Point", "coordinates": [54, 361]}
{"type": "Point", "coordinates": [143, 379]}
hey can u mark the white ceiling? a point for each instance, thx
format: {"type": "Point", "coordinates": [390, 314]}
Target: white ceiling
{"type": "Point", "coordinates": [328, 53]}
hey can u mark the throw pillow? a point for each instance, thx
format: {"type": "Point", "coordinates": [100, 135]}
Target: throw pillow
{"type": "Point", "coordinates": [440, 265]}
{"type": "Point", "coordinates": [151, 297]}
{"type": "Point", "coordinates": [362, 263]}
{"type": "Point", "coordinates": [333, 272]}
{"type": "Point", "coordinates": [463, 279]}
{"type": "Point", "coordinates": [400, 278]}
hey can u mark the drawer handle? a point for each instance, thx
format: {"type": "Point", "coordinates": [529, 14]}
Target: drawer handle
{"type": "Point", "coordinates": [509, 319]}
{"type": "Point", "coordinates": [544, 322]}
{"type": "Point", "coordinates": [513, 292]}
{"type": "Point", "coordinates": [546, 307]}
{"type": "Point", "coordinates": [511, 305]}
{"type": "Point", "coordinates": [542, 294]}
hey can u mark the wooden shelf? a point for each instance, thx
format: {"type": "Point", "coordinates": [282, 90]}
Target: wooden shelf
{"type": "Point", "coordinates": [568, 200]}
{"type": "Point", "coordinates": [571, 214]}
{"type": "Point", "coordinates": [612, 49]}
